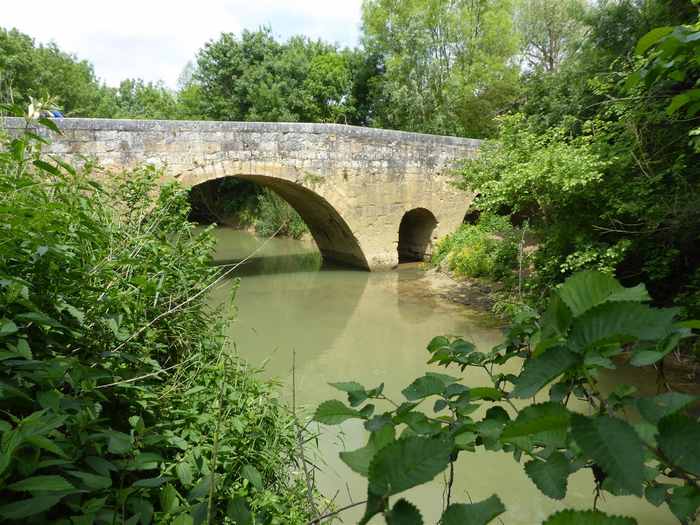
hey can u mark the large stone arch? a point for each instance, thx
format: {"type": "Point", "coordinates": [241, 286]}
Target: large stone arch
{"type": "Point", "coordinates": [332, 234]}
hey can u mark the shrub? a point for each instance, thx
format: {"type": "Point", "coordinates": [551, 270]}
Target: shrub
{"type": "Point", "coordinates": [119, 401]}
{"type": "Point", "coordinates": [488, 249]}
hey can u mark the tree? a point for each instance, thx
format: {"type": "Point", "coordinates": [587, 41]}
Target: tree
{"type": "Point", "coordinates": [447, 63]}
{"type": "Point", "coordinates": [31, 70]}
{"type": "Point", "coordinates": [255, 77]}
{"type": "Point", "coordinates": [550, 30]}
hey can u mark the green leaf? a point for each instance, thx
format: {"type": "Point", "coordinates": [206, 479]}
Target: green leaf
{"type": "Point", "coordinates": [541, 370]}
{"type": "Point", "coordinates": [653, 409]}
{"type": "Point", "coordinates": [184, 473]}
{"type": "Point", "coordinates": [407, 463]}
{"type": "Point", "coordinates": [614, 445]}
{"type": "Point", "coordinates": [679, 440]}
{"type": "Point", "coordinates": [169, 500]}
{"type": "Point", "coordinates": [28, 507]}
{"type": "Point", "coordinates": [651, 38]}
{"type": "Point", "coordinates": [479, 513]}
{"type": "Point", "coordinates": [359, 460]}
{"type": "Point", "coordinates": [150, 483]}
{"type": "Point", "coordinates": [684, 502]}
{"type": "Point", "coordinates": [584, 290]}
{"type": "Point", "coordinates": [334, 412]}
{"type": "Point", "coordinates": [250, 473]}
{"type": "Point", "coordinates": [612, 321]}
{"type": "Point", "coordinates": [92, 481]}
{"type": "Point", "coordinates": [586, 517]}
{"type": "Point", "coordinates": [186, 519]}
{"type": "Point", "coordinates": [7, 327]}
{"type": "Point", "coordinates": [49, 168]}
{"type": "Point", "coordinates": [547, 422]}
{"type": "Point", "coordinates": [428, 385]}
{"type": "Point", "coordinates": [550, 476]}
{"type": "Point", "coordinates": [238, 511]}
{"type": "Point", "coordinates": [42, 484]}
{"type": "Point", "coordinates": [356, 392]}
{"type": "Point", "coordinates": [118, 442]}
{"type": "Point", "coordinates": [437, 343]}
{"type": "Point", "coordinates": [404, 513]}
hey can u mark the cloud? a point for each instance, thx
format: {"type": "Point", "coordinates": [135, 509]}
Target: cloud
{"type": "Point", "coordinates": [154, 39]}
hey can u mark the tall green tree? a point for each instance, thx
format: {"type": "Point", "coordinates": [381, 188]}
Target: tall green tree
{"type": "Point", "coordinates": [447, 64]}
{"type": "Point", "coordinates": [550, 30]}
{"type": "Point", "coordinates": [28, 69]}
{"type": "Point", "coordinates": [255, 77]}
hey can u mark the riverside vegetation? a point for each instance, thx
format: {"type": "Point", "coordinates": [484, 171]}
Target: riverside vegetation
{"type": "Point", "coordinates": [119, 399]}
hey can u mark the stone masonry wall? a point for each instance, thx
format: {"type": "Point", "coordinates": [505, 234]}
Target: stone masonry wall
{"type": "Point", "coordinates": [351, 185]}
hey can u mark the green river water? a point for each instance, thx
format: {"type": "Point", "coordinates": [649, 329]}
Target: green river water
{"type": "Point", "coordinates": [373, 328]}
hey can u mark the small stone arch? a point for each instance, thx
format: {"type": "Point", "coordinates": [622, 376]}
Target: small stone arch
{"type": "Point", "coordinates": [333, 236]}
{"type": "Point", "coordinates": [416, 235]}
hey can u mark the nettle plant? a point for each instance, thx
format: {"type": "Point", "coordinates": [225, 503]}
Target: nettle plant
{"type": "Point", "coordinates": [590, 321]}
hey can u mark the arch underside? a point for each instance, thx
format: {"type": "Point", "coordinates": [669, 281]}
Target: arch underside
{"type": "Point", "coordinates": [333, 236]}
{"type": "Point", "coordinates": [415, 235]}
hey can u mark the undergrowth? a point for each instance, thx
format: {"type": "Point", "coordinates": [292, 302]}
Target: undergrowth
{"type": "Point", "coordinates": [120, 401]}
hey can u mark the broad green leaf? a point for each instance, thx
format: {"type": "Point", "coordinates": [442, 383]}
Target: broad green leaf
{"type": "Point", "coordinates": [407, 463]}
{"type": "Point", "coordinates": [584, 290]}
{"type": "Point", "coordinates": [653, 409]}
{"type": "Point", "coordinates": [28, 507]}
{"type": "Point", "coordinates": [550, 476]}
{"type": "Point", "coordinates": [546, 422]}
{"type": "Point", "coordinates": [42, 484]}
{"type": "Point", "coordinates": [359, 460]}
{"type": "Point", "coordinates": [186, 519]}
{"type": "Point", "coordinates": [356, 392]}
{"type": "Point", "coordinates": [237, 510]}
{"type": "Point", "coordinates": [437, 343]}
{"type": "Point", "coordinates": [586, 517]}
{"type": "Point", "coordinates": [656, 495]}
{"type": "Point", "coordinates": [142, 508]}
{"type": "Point", "coordinates": [7, 327]}
{"type": "Point", "coordinates": [250, 473]}
{"type": "Point", "coordinates": [334, 412]}
{"type": "Point", "coordinates": [615, 447]}
{"type": "Point", "coordinates": [651, 38]}
{"type": "Point", "coordinates": [479, 513]}
{"type": "Point", "coordinates": [541, 370]}
{"type": "Point", "coordinates": [615, 320]}
{"type": "Point", "coordinates": [428, 385]}
{"type": "Point", "coordinates": [679, 440]}
{"type": "Point", "coordinates": [118, 442]}
{"type": "Point", "coordinates": [184, 473]}
{"type": "Point", "coordinates": [169, 500]}
{"type": "Point", "coordinates": [419, 423]}
{"type": "Point", "coordinates": [92, 481]}
{"type": "Point", "coordinates": [684, 502]}
{"type": "Point", "coordinates": [404, 513]}
{"type": "Point", "coordinates": [150, 482]}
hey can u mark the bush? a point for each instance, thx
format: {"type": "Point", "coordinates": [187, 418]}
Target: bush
{"type": "Point", "coordinates": [488, 249]}
{"type": "Point", "coordinates": [119, 400]}
{"type": "Point", "coordinates": [274, 214]}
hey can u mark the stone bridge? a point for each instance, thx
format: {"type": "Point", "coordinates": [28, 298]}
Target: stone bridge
{"type": "Point", "coordinates": [370, 197]}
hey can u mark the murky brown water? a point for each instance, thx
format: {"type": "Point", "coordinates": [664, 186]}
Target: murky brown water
{"type": "Point", "coordinates": [373, 328]}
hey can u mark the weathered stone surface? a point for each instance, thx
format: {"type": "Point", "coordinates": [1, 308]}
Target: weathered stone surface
{"type": "Point", "coordinates": [351, 185]}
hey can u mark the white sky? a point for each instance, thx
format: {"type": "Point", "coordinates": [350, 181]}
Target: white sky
{"type": "Point", "coordinates": [154, 39]}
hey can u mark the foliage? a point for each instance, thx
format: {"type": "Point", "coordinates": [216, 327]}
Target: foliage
{"type": "Point", "coordinates": [255, 77]}
{"type": "Point", "coordinates": [488, 248]}
{"type": "Point", "coordinates": [591, 320]}
{"type": "Point", "coordinates": [275, 215]}
{"type": "Point", "coordinates": [446, 64]}
{"type": "Point", "coordinates": [240, 203]}
{"type": "Point", "coordinates": [31, 70]}
{"type": "Point", "coordinates": [120, 401]}
{"type": "Point", "coordinates": [551, 30]}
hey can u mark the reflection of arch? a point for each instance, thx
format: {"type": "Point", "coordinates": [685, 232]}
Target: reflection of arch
{"type": "Point", "coordinates": [415, 235]}
{"type": "Point", "coordinates": [333, 236]}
